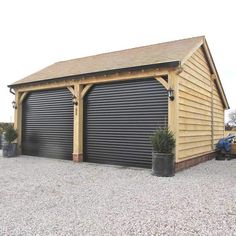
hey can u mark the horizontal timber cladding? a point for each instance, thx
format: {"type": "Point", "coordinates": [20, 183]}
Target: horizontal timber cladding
{"type": "Point", "coordinates": [119, 119]}
{"type": "Point", "coordinates": [201, 111]}
{"type": "Point", "coordinates": [218, 116]}
{"type": "Point", "coordinates": [47, 124]}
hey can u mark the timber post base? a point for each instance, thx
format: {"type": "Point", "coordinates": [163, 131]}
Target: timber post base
{"type": "Point", "coordinates": [77, 157]}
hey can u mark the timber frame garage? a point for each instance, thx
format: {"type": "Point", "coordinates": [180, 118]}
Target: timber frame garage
{"type": "Point", "coordinates": [104, 108]}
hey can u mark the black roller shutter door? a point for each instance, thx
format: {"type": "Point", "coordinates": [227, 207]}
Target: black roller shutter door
{"type": "Point", "coordinates": [119, 120]}
{"type": "Point", "coordinates": [47, 124]}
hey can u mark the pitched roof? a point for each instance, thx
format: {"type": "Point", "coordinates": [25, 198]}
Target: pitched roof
{"type": "Point", "coordinates": [174, 51]}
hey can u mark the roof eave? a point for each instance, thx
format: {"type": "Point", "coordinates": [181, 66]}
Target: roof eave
{"type": "Point", "coordinates": [194, 49]}
{"type": "Point", "coordinates": [211, 62]}
{"type": "Point", "coordinates": [213, 67]}
{"type": "Point", "coordinates": [169, 64]}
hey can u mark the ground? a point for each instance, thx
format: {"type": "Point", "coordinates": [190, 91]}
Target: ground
{"type": "Point", "coordinates": [40, 196]}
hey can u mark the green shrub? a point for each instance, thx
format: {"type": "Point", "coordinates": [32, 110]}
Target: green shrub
{"type": "Point", "coordinates": [10, 134]}
{"type": "Point", "coordinates": [4, 126]}
{"type": "Point", "coordinates": [163, 140]}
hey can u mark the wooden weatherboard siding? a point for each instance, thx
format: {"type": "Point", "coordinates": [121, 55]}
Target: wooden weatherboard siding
{"type": "Point", "coordinates": [218, 116]}
{"type": "Point", "coordinates": [201, 112]}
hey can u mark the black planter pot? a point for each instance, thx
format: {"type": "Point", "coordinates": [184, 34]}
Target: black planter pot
{"type": "Point", "coordinates": [163, 164]}
{"type": "Point", "coordinates": [4, 150]}
{"type": "Point", "coordinates": [10, 150]}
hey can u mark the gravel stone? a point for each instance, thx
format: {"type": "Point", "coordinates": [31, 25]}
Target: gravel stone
{"type": "Point", "coordinates": [41, 196]}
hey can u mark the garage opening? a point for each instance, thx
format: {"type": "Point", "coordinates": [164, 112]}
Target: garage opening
{"type": "Point", "coordinates": [119, 119]}
{"type": "Point", "coordinates": [47, 124]}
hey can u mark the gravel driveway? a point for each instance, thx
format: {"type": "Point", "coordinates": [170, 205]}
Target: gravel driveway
{"type": "Point", "coordinates": [40, 196]}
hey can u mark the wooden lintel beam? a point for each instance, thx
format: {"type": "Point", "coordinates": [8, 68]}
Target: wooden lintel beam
{"type": "Point", "coordinates": [162, 81]}
{"type": "Point", "coordinates": [179, 70]}
{"type": "Point", "coordinates": [121, 76]}
{"type": "Point", "coordinates": [85, 90]}
{"type": "Point", "coordinates": [22, 97]}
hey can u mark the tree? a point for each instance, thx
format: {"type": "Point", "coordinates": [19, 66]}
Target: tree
{"type": "Point", "coordinates": [232, 118]}
{"type": "Point", "coordinates": [228, 127]}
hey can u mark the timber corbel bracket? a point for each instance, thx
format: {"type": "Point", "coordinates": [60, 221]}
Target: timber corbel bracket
{"type": "Point", "coordinates": [83, 92]}
{"type": "Point", "coordinates": [72, 91]}
{"type": "Point", "coordinates": [162, 81]}
{"type": "Point", "coordinates": [23, 96]}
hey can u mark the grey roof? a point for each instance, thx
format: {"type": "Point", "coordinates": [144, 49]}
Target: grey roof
{"type": "Point", "coordinates": [140, 56]}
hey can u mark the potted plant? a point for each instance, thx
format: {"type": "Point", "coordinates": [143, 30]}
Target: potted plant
{"type": "Point", "coordinates": [163, 142]}
{"type": "Point", "coordinates": [10, 148]}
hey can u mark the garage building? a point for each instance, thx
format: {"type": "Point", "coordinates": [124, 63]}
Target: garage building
{"type": "Point", "coordinates": [104, 108]}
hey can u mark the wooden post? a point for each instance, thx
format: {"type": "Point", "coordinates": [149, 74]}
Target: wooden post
{"type": "Point", "coordinates": [18, 120]}
{"type": "Point", "coordinates": [173, 110]}
{"type": "Point", "coordinates": [212, 114]}
{"type": "Point", "coordinates": [78, 125]}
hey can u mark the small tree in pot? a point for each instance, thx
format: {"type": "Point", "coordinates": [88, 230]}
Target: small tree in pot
{"type": "Point", "coordinates": [163, 142]}
{"type": "Point", "coordinates": [10, 149]}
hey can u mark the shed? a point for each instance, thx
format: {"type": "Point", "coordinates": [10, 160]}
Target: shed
{"type": "Point", "coordinates": [104, 108]}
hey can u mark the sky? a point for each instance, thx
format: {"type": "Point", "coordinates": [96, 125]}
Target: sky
{"type": "Point", "coordinates": [35, 34]}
